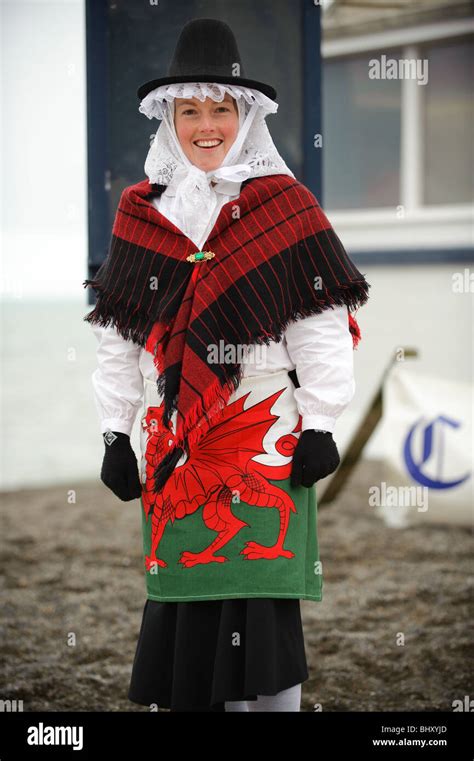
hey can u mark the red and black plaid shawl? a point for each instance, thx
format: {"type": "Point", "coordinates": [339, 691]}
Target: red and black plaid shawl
{"type": "Point", "coordinates": [277, 259]}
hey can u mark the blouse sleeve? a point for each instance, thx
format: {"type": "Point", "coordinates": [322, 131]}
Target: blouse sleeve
{"type": "Point", "coordinates": [320, 347]}
{"type": "Point", "coordinates": [118, 381]}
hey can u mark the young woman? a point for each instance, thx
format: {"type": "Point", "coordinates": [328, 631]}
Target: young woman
{"type": "Point", "coordinates": [223, 278]}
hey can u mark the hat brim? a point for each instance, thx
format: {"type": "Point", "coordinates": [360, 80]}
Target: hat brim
{"type": "Point", "coordinates": [267, 90]}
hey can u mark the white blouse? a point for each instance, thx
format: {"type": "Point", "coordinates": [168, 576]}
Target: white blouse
{"type": "Point", "coordinates": [319, 347]}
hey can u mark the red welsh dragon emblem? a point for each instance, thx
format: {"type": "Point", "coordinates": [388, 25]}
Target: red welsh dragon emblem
{"type": "Point", "coordinates": [220, 466]}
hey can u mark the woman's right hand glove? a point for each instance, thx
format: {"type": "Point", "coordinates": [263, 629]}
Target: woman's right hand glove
{"type": "Point", "coordinates": [119, 467]}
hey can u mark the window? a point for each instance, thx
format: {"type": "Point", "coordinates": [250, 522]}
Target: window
{"type": "Point", "coordinates": [361, 136]}
{"type": "Point", "coordinates": [448, 123]}
{"type": "Point", "coordinates": [397, 153]}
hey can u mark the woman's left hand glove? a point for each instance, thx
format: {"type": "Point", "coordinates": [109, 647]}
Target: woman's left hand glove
{"type": "Point", "coordinates": [315, 457]}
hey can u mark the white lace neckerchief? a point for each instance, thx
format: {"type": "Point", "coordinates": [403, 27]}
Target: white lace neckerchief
{"type": "Point", "coordinates": [252, 154]}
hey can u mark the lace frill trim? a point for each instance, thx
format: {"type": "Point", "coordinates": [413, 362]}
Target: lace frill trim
{"type": "Point", "coordinates": [152, 104]}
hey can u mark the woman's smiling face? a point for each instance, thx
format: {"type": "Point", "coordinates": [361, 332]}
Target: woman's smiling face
{"type": "Point", "coordinates": [206, 129]}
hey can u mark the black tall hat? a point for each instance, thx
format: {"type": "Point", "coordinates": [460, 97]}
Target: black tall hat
{"type": "Point", "coordinates": [206, 51]}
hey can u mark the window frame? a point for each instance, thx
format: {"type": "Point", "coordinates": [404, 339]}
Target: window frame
{"type": "Point", "coordinates": [435, 232]}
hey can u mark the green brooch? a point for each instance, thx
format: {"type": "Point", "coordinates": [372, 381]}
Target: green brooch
{"type": "Point", "coordinates": [200, 256]}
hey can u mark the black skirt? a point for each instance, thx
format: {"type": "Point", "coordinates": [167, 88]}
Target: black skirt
{"type": "Point", "coordinates": [194, 656]}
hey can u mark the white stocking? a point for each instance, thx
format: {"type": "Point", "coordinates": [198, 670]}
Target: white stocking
{"type": "Point", "coordinates": [286, 700]}
{"type": "Point", "coordinates": [236, 705]}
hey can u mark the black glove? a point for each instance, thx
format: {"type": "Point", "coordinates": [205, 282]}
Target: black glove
{"type": "Point", "coordinates": [315, 457]}
{"type": "Point", "coordinates": [119, 467]}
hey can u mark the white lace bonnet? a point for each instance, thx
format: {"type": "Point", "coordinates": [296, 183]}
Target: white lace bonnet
{"type": "Point", "coordinates": [252, 154]}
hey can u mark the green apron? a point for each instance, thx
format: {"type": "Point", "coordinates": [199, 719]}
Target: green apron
{"type": "Point", "coordinates": [228, 524]}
